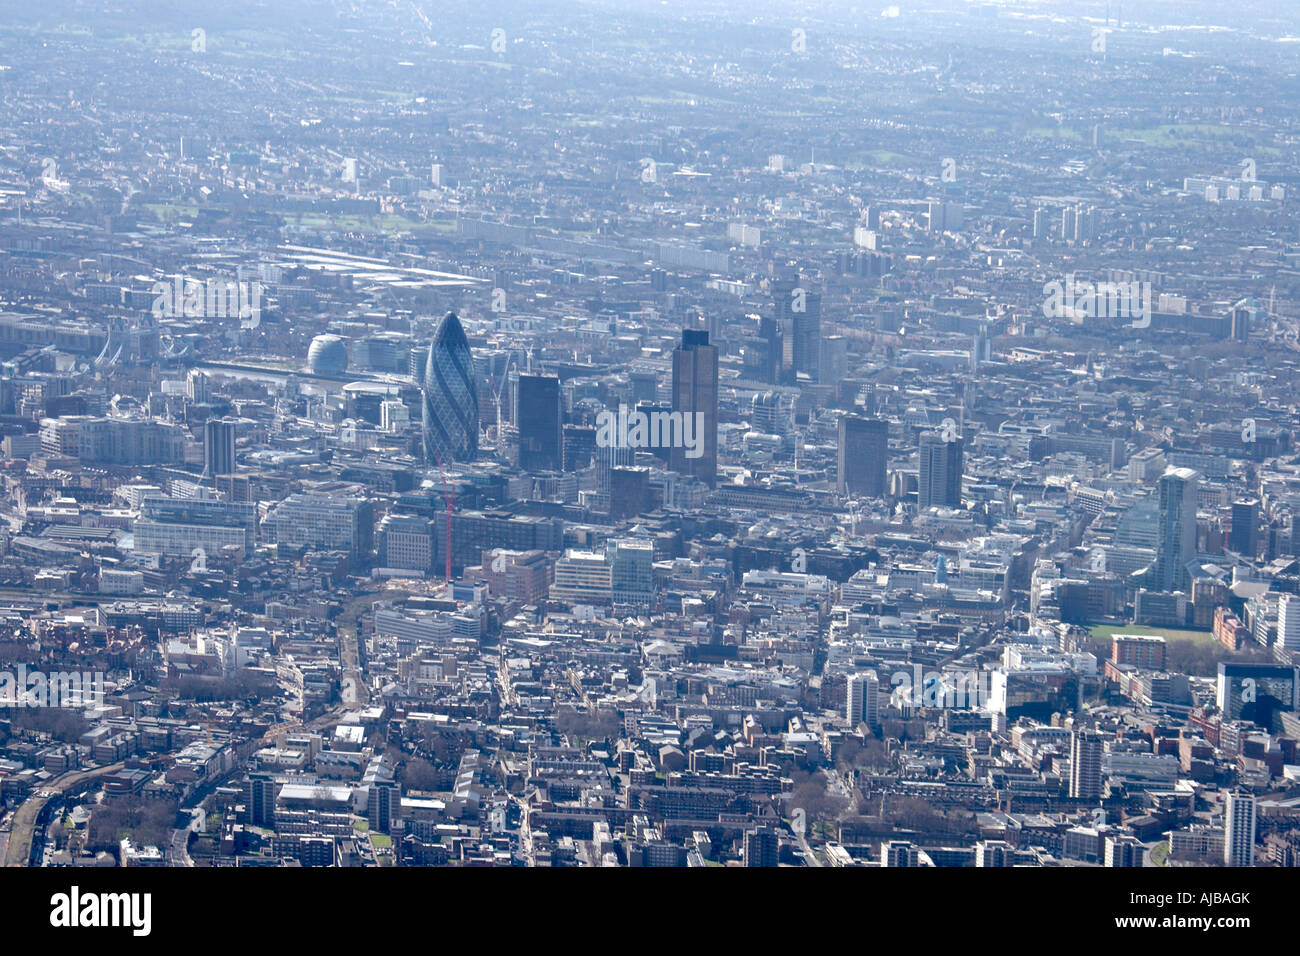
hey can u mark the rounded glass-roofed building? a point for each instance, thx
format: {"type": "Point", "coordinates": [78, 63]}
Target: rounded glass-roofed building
{"type": "Point", "coordinates": [450, 398]}
{"type": "Point", "coordinates": [327, 355]}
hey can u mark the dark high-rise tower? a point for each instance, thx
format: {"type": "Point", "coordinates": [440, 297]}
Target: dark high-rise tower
{"type": "Point", "coordinates": [798, 314]}
{"type": "Point", "coordinates": [450, 398]}
{"type": "Point", "coordinates": [769, 333]}
{"type": "Point", "coordinates": [218, 447]}
{"type": "Point", "coordinates": [1086, 752]}
{"type": "Point", "coordinates": [1239, 323]}
{"type": "Point", "coordinates": [695, 394]}
{"type": "Point", "coordinates": [537, 416]}
{"type": "Point", "coordinates": [1244, 537]}
{"type": "Point", "coordinates": [863, 451]}
{"type": "Point", "coordinates": [807, 323]}
{"type": "Point", "coordinates": [1176, 544]}
{"type": "Point", "coordinates": [762, 847]}
{"type": "Point", "coordinates": [579, 446]}
{"type": "Point", "coordinates": [648, 409]}
{"type": "Point", "coordinates": [940, 477]}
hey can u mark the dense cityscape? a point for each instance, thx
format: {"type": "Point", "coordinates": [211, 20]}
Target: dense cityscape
{"type": "Point", "coordinates": [650, 435]}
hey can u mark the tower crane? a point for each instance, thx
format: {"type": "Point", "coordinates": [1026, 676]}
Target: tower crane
{"type": "Point", "coordinates": [448, 501]}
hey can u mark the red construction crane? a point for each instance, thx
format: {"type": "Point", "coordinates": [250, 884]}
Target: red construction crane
{"type": "Point", "coordinates": [449, 501]}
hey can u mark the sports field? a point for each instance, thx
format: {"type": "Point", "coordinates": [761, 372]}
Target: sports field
{"type": "Point", "coordinates": [1107, 631]}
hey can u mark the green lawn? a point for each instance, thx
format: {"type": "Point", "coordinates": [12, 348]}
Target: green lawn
{"type": "Point", "coordinates": [1107, 631]}
{"type": "Point", "coordinates": [381, 841]}
{"type": "Point", "coordinates": [1160, 854]}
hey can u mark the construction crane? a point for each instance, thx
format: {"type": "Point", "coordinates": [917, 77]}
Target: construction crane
{"type": "Point", "coordinates": [448, 501]}
{"type": "Point", "coordinates": [498, 389]}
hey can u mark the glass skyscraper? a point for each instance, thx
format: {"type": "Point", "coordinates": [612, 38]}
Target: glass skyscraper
{"type": "Point", "coordinates": [450, 398]}
{"type": "Point", "coordinates": [863, 451]}
{"type": "Point", "coordinates": [940, 473]}
{"type": "Point", "coordinates": [537, 416]}
{"type": "Point", "coordinates": [695, 392]}
{"type": "Point", "coordinates": [1177, 542]}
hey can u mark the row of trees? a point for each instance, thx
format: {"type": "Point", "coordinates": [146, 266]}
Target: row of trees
{"type": "Point", "coordinates": [145, 822]}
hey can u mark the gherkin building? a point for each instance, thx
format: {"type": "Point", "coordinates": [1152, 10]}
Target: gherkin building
{"type": "Point", "coordinates": [450, 400]}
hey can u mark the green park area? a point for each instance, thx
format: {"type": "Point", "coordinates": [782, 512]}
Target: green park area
{"type": "Point", "coordinates": [1108, 631]}
{"type": "Point", "coordinates": [1195, 653]}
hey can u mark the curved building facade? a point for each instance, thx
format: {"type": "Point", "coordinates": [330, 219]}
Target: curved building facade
{"type": "Point", "coordinates": [327, 355]}
{"type": "Point", "coordinates": [450, 399]}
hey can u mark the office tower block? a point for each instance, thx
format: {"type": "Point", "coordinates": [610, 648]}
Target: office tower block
{"type": "Point", "coordinates": [473, 532]}
{"type": "Point", "coordinates": [521, 577]}
{"type": "Point", "coordinates": [114, 441]}
{"type": "Point", "coordinates": [770, 414]}
{"type": "Point", "coordinates": [934, 217]}
{"type": "Point", "coordinates": [408, 542]}
{"type": "Point", "coordinates": [384, 798]}
{"type": "Point", "coordinates": [834, 362]}
{"type": "Point", "coordinates": [1085, 223]}
{"type": "Point", "coordinates": [450, 396]}
{"type": "Point", "coordinates": [1176, 544]}
{"type": "Point", "coordinates": [537, 416]}
{"type": "Point", "coordinates": [650, 409]}
{"type": "Point", "coordinates": [618, 454]}
{"type": "Point", "coordinates": [940, 475]}
{"type": "Point", "coordinates": [323, 523]}
{"type": "Point", "coordinates": [761, 847]}
{"type": "Point", "coordinates": [896, 853]}
{"type": "Point", "coordinates": [179, 525]}
{"type": "Point", "coordinates": [508, 400]}
{"type": "Point", "coordinates": [382, 352]}
{"type": "Point", "coordinates": [1239, 830]}
{"type": "Point", "coordinates": [981, 349]}
{"type": "Point", "coordinates": [713, 324]}
{"type": "Point", "coordinates": [1124, 850]}
{"type": "Point", "coordinates": [945, 217]}
{"type": "Point", "coordinates": [1068, 216]}
{"type": "Point", "coordinates": [579, 446]}
{"type": "Point", "coordinates": [583, 577]}
{"type": "Point", "coordinates": [632, 571]}
{"type": "Point", "coordinates": [198, 386]}
{"type": "Point", "coordinates": [393, 415]}
{"type": "Point", "coordinates": [259, 799]}
{"type": "Point", "coordinates": [797, 314]}
{"type": "Point", "coordinates": [806, 321]}
{"type": "Point", "coordinates": [1239, 324]}
{"type": "Point", "coordinates": [1086, 749]}
{"type": "Point", "coordinates": [382, 801]}
{"type": "Point", "coordinates": [695, 393]}
{"type": "Point", "coordinates": [629, 492]}
{"type": "Point", "coordinates": [1140, 650]}
{"type": "Point", "coordinates": [1244, 536]}
{"type": "Point", "coordinates": [645, 386]}
{"type": "Point", "coordinates": [218, 447]}
{"type": "Point", "coordinates": [994, 853]}
{"type": "Point", "coordinates": [863, 453]}
{"type": "Point", "coordinates": [1288, 622]}
{"type": "Point", "coordinates": [772, 347]}
{"type": "Point", "coordinates": [862, 699]}
{"type": "Point", "coordinates": [1040, 223]}
{"type": "Point", "coordinates": [783, 322]}
{"type": "Point", "coordinates": [1256, 691]}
